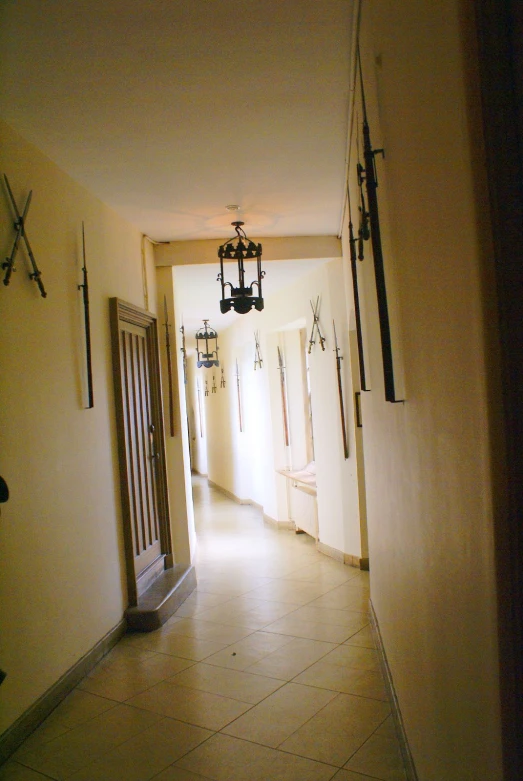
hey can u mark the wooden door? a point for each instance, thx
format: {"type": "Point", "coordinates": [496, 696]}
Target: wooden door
{"type": "Point", "coordinates": [141, 445]}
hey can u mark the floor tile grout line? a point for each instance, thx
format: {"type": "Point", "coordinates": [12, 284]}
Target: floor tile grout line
{"type": "Point", "coordinates": [367, 740]}
{"type": "Point", "coordinates": [310, 558]}
{"type": "Point", "coordinates": [44, 775]}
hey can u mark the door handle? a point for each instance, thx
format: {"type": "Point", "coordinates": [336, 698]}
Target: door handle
{"type": "Point", "coordinates": [151, 442]}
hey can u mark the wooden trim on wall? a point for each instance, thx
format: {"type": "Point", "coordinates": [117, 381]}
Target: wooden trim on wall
{"type": "Point", "coordinates": [15, 735]}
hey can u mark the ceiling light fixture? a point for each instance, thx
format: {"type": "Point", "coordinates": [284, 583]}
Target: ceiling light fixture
{"type": "Point", "coordinates": [207, 356]}
{"type": "Point", "coordinates": [240, 248]}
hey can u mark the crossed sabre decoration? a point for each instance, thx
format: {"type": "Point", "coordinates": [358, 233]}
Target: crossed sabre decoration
{"type": "Point", "coordinates": [9, 263]}
{"type": "Point", "coordinates": [258, 362]}
{"type": "Point", "coordinates": [316, 326]}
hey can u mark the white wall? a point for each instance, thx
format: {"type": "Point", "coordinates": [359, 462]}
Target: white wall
{"type": "Point", "coordinates": [244, 462]}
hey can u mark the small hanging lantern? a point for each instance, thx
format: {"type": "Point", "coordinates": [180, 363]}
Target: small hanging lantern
{"type": "Point", "coordinates": [240, 249]}
{"type": "Point", "coordinates": [207, 346]}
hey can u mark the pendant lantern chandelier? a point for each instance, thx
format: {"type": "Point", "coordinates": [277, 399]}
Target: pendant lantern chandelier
{"type": "Point", "coordinates": [241, 298]}
{"type": "Point", "coordinates": [207, 346]}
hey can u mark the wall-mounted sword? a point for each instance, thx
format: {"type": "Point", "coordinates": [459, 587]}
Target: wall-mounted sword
{"type": "Point", "coordinates": [339, 359]}
{"type": "Point", "coordinates": [84, 287]}
{"type": "Point", "coordinates": [169, 367]}
{"type": "Point", "coordinates": [239, 396]}
{"type": "Point", "coordinates": [281, 368]}
{"type": "Point", "coordinates": [9, 263]}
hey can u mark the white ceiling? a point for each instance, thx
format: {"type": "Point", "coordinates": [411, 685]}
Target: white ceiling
{"type": "Point", "coordinates": [169, 110]}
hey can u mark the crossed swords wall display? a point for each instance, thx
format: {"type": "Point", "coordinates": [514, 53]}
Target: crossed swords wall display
{"type": "Point", "coordinates": [19, 224]}
{"type": "Point", "coordinates": [316, 326]}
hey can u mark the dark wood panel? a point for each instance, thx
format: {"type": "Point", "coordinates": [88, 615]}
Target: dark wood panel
{"type": "Point", "coordinates": [141, 443]}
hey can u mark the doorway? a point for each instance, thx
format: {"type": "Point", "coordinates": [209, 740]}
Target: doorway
{"type": "Point", "coordinates": [141, 446]}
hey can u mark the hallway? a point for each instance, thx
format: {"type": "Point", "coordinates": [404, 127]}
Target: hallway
{"type": "Point", "coordinates": [266, 673]}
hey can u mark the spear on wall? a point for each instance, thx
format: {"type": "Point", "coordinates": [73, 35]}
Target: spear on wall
{"type": "Point", "coordinates": [281, 368]}
{"type": "Point", "coordinates": [239, 396]}
{"type": "Point", "coordinates": [339, 359]}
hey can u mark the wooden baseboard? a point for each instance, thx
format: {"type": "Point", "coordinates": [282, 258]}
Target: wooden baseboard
{"type": "Point", "coordinates": [356, 561]}
{"type": "Point", "coordinates": [15, 735]}
{"type": "Point", "coordinates": [333, 553]}
{"type": "Point", "coordinates": [345, 558]}
{"type": "Point", "coordinates": [410, 768]}
{"type": "Point", "coordinates": [229, 494]}
{"type": "Point", "coordinates": [290, 525]}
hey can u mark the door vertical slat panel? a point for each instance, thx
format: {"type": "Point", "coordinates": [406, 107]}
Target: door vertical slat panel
{"type": "Point", "coordinates": [155, 530]}
{"type": "Point", "coordinates": [146, 423]}
{"type": "Point", "coordinates": [130, 443]}
{"type": "Point", "coordinates": [139, 442]}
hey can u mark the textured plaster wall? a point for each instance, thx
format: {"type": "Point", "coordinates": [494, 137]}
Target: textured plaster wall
{"type": "Point", "coordinates": [62, 581]}
{"type": "Point", "coordinates": [428, 462]}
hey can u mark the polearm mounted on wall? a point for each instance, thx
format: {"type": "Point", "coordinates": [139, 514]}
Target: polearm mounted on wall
{"type": "Point", "coordinates": [368, 175]}
{"type": "Point", "coordinates": [339, 359]}
{"type": "Point", "coordinates": [84, 287]}
{"type": "Point", "coordinates": [169, 367]}
{"type": "Point", "coordinates": [239, 396]}
{"type": "Point", "coordinates": [281, 369]}
{"type": "Point", "coordinates": [183, 351]}
{"type": "Point", "coordinates": [198, 393]}
{"type": "Point", "coordinates": [357, 311]}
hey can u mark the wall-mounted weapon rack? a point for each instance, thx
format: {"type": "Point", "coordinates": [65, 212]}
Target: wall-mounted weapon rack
{"type": "Point", "coordinates": [19, 224]}
{"type": "Point", "coordinates": [316, 326]}
{"type": "Point", "coordinates": [367, 174]}
{"type": "Point", "coordinates": [84, 287]}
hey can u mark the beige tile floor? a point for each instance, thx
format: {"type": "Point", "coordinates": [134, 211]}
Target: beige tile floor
{"type": "Point", "coordinates": [266, 673]}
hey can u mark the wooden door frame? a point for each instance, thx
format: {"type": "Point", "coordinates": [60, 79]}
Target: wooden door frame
{"type": "Point", "coordinates": [122, 311]}
{"type": "Point", "coordinates": [499, 29]}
